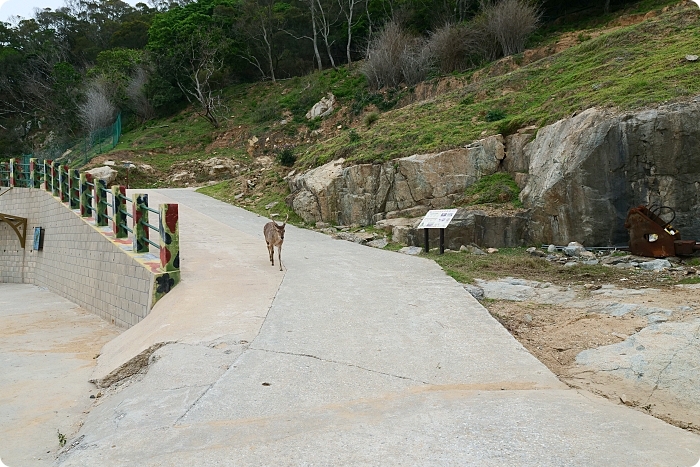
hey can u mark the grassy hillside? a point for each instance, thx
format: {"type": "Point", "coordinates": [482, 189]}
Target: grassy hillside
{"type": "Point", "coordinates": [628, 63]}
{"type": "Point", "coordinates": [627, 68]}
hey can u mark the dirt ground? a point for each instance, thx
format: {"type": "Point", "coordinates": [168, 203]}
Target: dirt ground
{"type": "Point", "coordinates": [556, 334]}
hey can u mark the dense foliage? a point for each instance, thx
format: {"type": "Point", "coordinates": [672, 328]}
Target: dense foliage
{"type": "Point", "coordinates": [72, 69]}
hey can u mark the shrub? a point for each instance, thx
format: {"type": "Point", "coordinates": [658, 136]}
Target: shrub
{"type": "Point", "coordinates": [495, 115]}
{"type": "Point", "coordinates": [370, 118]}
{"type": "Point", "coordinates": [265, 112]}
{"type": "Point", "coordinates": [353, 136]}
{"type": "Point", "coordinates": [395, 56]}
{"type": "Point", "coordinates": [511, 22]}
{"type": "Point", "coordinates": [456, 47]}
{"type": "Point", "coordinates": [286, 156]}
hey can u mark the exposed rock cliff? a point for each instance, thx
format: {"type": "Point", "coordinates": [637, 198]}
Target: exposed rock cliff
{"type": "Point", "coordinates": [583, 175]}
{"type": "Point", "coordinates": [408, 186]}
{"type": "Point", "coordinates": [586, 172]}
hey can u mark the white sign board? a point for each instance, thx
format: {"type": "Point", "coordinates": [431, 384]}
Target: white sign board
{"type": "Point", "coordinates": [437, 219]}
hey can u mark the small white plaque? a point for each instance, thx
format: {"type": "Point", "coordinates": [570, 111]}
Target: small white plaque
{"type": "Point", "coordinates": [437, 219]}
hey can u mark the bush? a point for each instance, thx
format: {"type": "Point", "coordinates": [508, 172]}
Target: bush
{"type": "Point", "coordinates": [495, 115]}
{"type": "Point", "coordinates": [395, 56]}
{"type": "Point", "coordinates": [266, 112]}
{"type": "Point", "coordinates": [510, 22]}
{"type": "Point", "coordinates": [286, 156]}
{"type": "Point", "coordinates": [456, 47]}
{"type": "Point", "coordinates": [370, 118]}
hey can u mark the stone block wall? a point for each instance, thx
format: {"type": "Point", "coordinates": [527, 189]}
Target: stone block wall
{"type": "Point", "coordinates": [77, 262]}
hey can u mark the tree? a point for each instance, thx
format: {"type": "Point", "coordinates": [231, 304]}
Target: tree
{"type": "Point", "coordinates": [349, 9]}
{"type": "Point", "coordinates": [201, 60]}
{"type": "Point", "coordinates": [190, 46]}
{"type": "Point", "coordinates": [260, 22]}
{"type": "Point", "coordinates": [97, 110]}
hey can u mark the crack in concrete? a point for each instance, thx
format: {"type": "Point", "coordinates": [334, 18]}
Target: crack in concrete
{"type": "Point", "coordinates": [340, 363]}
{"type": "Point", "coordinates": [197, 400]}
{"type": "Point", "coordinates": [233, 364]}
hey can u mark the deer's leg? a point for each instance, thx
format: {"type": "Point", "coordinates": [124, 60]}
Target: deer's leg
{"type": "Point", "coordinates": [279, 252]}
{"type": "Point", "coordinates": [271, 253]}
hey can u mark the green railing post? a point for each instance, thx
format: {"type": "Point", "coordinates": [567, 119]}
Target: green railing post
{"type": "Point", "coordinates": [33, 179]}
{"type": "Point", "coordinates": [169, 238]}
{"type": "Point", "coordinates": [74, 189]}
{"type": "Point", "coordinates": [101, 202]}
{"type": "Point", "coordinates": [55, 178]}
{"type": "Point", "coordinates": [119, 212]}
{"type": "Point", "coordinates": [4, 174]}
{"type": "Point", "coordinates": [13, 172]}
{"type": "Point", "coordinates": [85, 198]}
{"type": "Point", "coordinates": [63, 183]}
{"type": "Point", "coordinates": [140, 214]}
{"type": "Point", "coordinates": [47, 174]}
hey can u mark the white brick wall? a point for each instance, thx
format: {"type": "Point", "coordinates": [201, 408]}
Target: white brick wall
{"type": "Point", "coordinates": [77, 261]}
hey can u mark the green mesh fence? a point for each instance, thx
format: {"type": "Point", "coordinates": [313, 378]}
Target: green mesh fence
{"type": "Point", "coordinates": [80, 152]}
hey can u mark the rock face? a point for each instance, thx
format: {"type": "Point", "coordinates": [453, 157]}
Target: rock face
{"type": "Point", "coordinates": [586, 172]}
{"type": "Point", "coordinates": [580, 176]}
{"type": "Point", "coordinates": [365, 193]}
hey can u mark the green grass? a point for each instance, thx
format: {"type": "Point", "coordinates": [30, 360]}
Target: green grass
{"type": "Point", "coordinates": [628, 69]}
{"type": "Point", "coordinates": [226, 191]}
{"type": "Point", "coordinates": [516, 262]}
{"type": "Point", "coordinates": [497, 188]}
{"type": "Point", "coordinates": [690, 280]}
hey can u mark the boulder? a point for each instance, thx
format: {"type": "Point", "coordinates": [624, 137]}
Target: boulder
{"type": "Point", "coordinates": [322, 108]}
{"type": "Point", "coordinates": [108, 174]}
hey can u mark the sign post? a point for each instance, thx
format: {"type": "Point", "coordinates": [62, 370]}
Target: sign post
{"type": "Point", "coordinates": [436, 219]}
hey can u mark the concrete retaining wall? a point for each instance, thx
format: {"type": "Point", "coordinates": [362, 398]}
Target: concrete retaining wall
{"type": "Point", "coordinates": [77, 262]}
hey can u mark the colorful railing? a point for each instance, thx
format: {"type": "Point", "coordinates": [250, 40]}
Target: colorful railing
{"type": "Point", "coordinates": [80, 191]}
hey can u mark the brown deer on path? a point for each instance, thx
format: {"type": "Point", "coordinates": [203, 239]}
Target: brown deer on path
{"type": "Point", "coordinates": [274, 236]}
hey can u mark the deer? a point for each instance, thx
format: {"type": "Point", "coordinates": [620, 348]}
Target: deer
{"type": "Point", "coordinates": [274, 236]}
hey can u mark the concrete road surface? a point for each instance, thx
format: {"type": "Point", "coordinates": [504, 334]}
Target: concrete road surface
{"type": "Point", "coordinates": [48, 347]}
{"type": "Point", "coordinates": [351, 356]}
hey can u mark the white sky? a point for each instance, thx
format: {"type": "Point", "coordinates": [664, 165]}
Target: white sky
{"type": "Point", "coordinates": [25, 8]}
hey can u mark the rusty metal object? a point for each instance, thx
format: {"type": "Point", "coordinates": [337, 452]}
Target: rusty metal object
{"type": "Point", "coordinates": [654, 237]}
{"type": "Point", "coordinates": [649, 234]}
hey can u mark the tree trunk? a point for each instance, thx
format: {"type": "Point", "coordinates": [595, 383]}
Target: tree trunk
{"type": "Point", "coordinates": [315, 34]}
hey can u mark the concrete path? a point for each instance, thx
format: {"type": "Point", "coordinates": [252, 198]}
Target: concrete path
{"type": "Point", "coordinates": [358, 357]}
{"type": "Point", "coordinates": [48, 347]}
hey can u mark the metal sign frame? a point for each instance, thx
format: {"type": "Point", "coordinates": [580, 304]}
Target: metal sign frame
{"type": "Point", "coordinates": [18, 224]}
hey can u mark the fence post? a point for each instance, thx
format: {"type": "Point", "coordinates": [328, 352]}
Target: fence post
{"type": "Point", "coordinates": [13, 172]}
{"type": "Point", "coordinates": [74, 189]}
{"type": "Point", "coordinates": [63, 183]}
{"type": "Point", "coordinates": [47, 175]}
{"type": "Point", "coordinates": [140, 213]}
{"type": "Point", "coordinates": [85, 198]}
{"type": "Point", "coordinates": [55, 178]}
{"type": "Point", "coordinates": [169, 238]}
{"type": "Point", "coordinates": [33, 180]}
{"type": "Point", "coordinates": [101, 202]}
{"type": "Point", "coordinates": [119, 212]}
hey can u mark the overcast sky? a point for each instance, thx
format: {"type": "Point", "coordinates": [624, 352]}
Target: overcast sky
{"type": "Point", "coordinates": [25, 8]}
